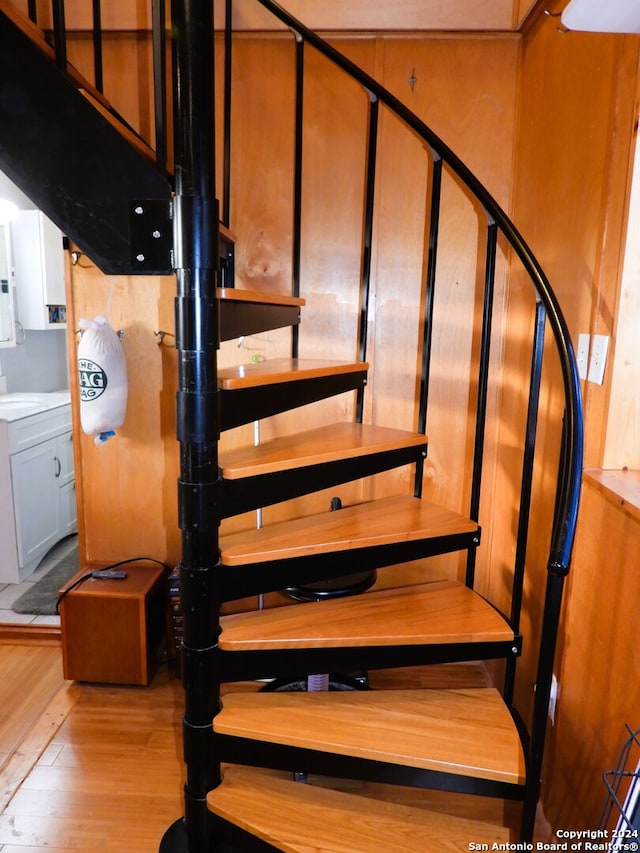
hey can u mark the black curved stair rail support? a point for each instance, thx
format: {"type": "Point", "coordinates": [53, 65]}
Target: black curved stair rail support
{"type": "Point", "coordinates": [159, 48]}
{"type": "Point", "coordinates": [226, 153]}
{"type": "Point", "coordinates": [483, 387]}
{"type": "Point", "coordinates": [367, 242]}
{"type": "Point", "coordinates": [97, 46]}
{"type": "Point", "coordinates": [297, 189]}
{"type": "Point", "coordinates": [526, 488]}
{"type": "Point", "coordinates": [427, 321]}
{"type": "Point", "coordinates": [59, 33]}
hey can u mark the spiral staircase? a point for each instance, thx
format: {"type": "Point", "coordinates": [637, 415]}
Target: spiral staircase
{"type": "Point", "coordinates": [297, 770]}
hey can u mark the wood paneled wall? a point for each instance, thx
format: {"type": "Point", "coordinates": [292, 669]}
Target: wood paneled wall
{"type": "Point", "coordinates": [577, 116]}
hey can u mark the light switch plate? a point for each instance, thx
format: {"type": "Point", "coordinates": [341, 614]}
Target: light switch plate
{"type": "Point", "coordinates": [598, 362]}
{"type": "Point", "coordinates": [582, 355]}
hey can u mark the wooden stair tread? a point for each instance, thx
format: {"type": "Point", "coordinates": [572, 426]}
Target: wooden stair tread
{"type": "Point", "coordinates": [237, 294]}
{"type": "Point", "coordinates": [382, 522]}
{"type": "Point", "coordinates": [227, 234]}
{"type": "Point", "coordinates": [440, 612]}
{"type": "Point", "coordinates": [302, 818]}
{"type": "Point", "coordinates": [466, 732]}
{"type": "Point", "coordinates": [315, 447]}
{"type": "Point", "coordinates": [275, 370]}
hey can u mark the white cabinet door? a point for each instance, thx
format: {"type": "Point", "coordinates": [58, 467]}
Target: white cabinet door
{"type": "Point", "coordinates": [38, 259]}
{"type": "Point", "coordinates": [64, 455]}
{"type": "Point", "coordinates": [36, 500]}
{"type": "Point", "coordinates": [66, 485]}
{"type": "Point", "coordinates": [68, 509]}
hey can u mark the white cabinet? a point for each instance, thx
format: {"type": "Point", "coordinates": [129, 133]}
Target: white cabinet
{"type": "Point", "coordinates": [38, 260]}
{"type": "Point", "coordinates": [7, 289]}
{"type": "Point", "coordinates": [37, 487]}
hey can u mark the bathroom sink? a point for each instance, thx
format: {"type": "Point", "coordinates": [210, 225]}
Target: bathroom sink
{"type": "Point", "coordinates": [22, 398]}
{"type": "Point", "coordinates": [12, 409]}
{"type": "Point", "coordinates": [19, 405]}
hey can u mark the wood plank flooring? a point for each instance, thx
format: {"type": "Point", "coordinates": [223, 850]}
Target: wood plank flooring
{"type": "Point", "coordinates": [99, 768]}
{"type": "Point", "coordinates": [107, 774]}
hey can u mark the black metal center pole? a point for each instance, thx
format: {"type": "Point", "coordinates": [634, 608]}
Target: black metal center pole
{"type": "Point", "coordinates": [196, 234]}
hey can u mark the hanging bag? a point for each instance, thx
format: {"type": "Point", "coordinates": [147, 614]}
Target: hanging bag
{"type": "Point", "coordinates": [102, 378]}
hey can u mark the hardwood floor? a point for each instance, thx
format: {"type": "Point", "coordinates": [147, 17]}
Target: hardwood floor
{"type": "Point", "coordinates": [106, 771]}
{"type": "Point", "coordinates": [99, 768]}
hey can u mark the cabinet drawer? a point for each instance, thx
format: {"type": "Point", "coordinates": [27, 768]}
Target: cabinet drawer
{"type": "Point", "coordinates": [26, 432]}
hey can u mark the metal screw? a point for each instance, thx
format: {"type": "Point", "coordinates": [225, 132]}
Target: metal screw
{"type": "Point", "coordinates": [140, 258]}
{"type": "Point", "coordinates": [139, 210]}
{"type": "Point", "coordinates": [156, 234]}
{"type": "Point", "coordinates": [514, 649]}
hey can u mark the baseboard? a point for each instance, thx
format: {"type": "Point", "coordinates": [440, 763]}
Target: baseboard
{"type": "Point", "coordinates": [39, 634]}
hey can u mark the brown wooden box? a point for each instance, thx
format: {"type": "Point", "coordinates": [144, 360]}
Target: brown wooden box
{"type": "Point", "coordinates": [114, 631]}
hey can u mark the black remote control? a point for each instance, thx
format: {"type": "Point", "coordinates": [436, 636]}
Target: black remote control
{"type": "Point", "coordinates": [109, 575]}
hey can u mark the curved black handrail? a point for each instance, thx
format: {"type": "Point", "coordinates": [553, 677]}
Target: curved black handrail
{"type": "Point", "coordinates": [570, 476]}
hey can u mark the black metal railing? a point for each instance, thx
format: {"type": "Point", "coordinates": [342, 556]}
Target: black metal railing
{"type": "Point", "coordinates": [548, 313]}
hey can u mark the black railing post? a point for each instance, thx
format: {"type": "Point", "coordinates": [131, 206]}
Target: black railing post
{"type": "Point", "coordinates": [59, 34]}
{"type": "Point", "coordinates": [297, 186]}
{"type": "Point", "coordinates": [483, 383]}
{"type": "Point", "coordinates": [367, 241]}
{"type": "Point", "coordinates": [526, 487]}
{"type": "Point", "coordinates": [551, 619]}
{"type": "Point", "coordinates": [427, 322]}
{"type": "Point", "coordinates": [196, 262]}
{"type": "Point", "coordinates": [228, 68]}
{"type": "Point", "coordinates": [159, 82]}
{"type": "Point", "coordinates": [97, 46]}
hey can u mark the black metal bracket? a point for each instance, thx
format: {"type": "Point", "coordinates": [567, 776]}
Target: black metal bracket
{"type": "Point", "coordinates": [151, 230]}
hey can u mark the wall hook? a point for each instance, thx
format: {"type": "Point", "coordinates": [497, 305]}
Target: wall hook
{"type": "Point", "coordinates": [561, 29]}
{"type": "Point", "coordinates": [75, 259]}
{"type": "Point", "coordinates": [160, 335]}
{"type": "Point", "coordinates": [80, 332]}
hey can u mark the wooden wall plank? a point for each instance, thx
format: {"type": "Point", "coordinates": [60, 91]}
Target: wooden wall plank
{"type": "Point", "coordinates": [599, 685]}
{"type": "Point", "coordinates": [463, 15]}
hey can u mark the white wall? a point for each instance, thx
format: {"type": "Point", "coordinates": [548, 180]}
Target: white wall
{"type": "Point", "coordinates": [40, 362]}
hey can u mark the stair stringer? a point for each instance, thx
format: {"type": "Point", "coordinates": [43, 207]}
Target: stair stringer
{"type": "Point", "coordinates": [74, 164]}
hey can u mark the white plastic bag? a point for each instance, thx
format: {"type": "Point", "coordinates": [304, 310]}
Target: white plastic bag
{"type": "Point", "coordinates": [103, 379]}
